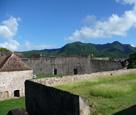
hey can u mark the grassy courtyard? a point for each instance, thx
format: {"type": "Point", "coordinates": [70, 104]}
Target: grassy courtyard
{"type": "Point", "coordinates": [107, 95]}
{"type": "Point", "coordinates": [7, 105]}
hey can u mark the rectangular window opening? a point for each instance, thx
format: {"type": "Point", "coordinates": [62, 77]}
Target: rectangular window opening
{"type": "Point", "coordinates": [75, 71]}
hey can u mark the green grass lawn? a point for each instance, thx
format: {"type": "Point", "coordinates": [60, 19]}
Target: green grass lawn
{"type": "Point", "coordinates": [7, 105]}
{"type": "Point", "coordinates": [107, 95]}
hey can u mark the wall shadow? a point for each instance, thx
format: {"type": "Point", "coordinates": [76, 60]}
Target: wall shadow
{"type": "Point", "coordinates": [45, 100]}
{"type": "Point", "coordinates": [129, 111]}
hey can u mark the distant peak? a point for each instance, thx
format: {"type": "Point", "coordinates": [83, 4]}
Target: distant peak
{"type": "Point", "coordinates": [116, 42]}
{"type": "Point", "coordinates": [78, 42]}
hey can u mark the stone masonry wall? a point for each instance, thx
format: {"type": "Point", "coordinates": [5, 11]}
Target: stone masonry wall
{"type": "Point", "coordinates": [105, 65]}
{"type": "Point", "coordinates": [66, 79]}
{"type": "Point", "coordinates": [42, 98]}
{"type": "Point", "coordinates": [67, 64]}
{"type": "Point", "coordinates": [63, 65]}
{"type": "Point", "coordinates": [11, 81]}
{"type": "Point", "coordinates": [45, 100]}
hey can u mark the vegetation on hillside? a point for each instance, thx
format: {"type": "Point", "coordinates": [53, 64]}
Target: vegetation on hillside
{"type": "Point", "coordinates": [132, 60]}
{"type": "Point", "coordinates": [114, 49]}
{"type": "Point", "coordinates": [4, 50]}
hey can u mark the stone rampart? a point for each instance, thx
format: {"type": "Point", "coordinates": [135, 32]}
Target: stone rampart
{"type": "Point", "coordinates": [105, 65]}
{"type": "Point", "coordinates": [70, 65]}
{"type": "Point", "coordinates": [66, 79]}
{"type": "Point", "coordinates": [45, 100]}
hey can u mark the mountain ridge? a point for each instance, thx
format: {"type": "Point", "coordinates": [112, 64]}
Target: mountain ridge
{"type": "Point", "coordinates": [115, 49]}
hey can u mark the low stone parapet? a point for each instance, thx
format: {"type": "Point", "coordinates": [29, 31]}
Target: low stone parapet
{"type": "Point", "coordinates": [43, 99]}
{"type": "Point", "coordinates": [46, 100]}
{"type": "Point", "coordinates": [66, 79]}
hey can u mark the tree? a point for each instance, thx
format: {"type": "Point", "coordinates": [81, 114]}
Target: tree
{"type": "Point", "coordinates": [132, 60]}
{"type": "Point", "coordinates": [4, 50]}
{"type": "Point", "coordinates": [110, 59]}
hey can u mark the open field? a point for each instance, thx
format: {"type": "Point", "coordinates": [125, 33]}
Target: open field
{"type": "Point", "coordinates": [107, 95]}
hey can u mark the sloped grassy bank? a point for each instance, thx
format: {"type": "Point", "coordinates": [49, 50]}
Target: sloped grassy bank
{"type": "Point", "coordinates": [107, 95]}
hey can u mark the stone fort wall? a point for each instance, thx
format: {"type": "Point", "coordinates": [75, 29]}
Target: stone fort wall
{"type": "Point", "coordinates": [105, 65]}
{"type": "Point", "coordinates": [45, 100]}
{"type": "Point", "coordinates": [60, 65]}
{"type": "Point", "coordinates": [70, 65]}
{"type": "Point", "coordinates": [75, 78]}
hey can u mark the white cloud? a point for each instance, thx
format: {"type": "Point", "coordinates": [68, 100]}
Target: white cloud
{"type": "Point", "coordinates": [117, 1]}
{"type": "Point", "coordinates": [18, 19]}
{"type": "Point", "coordinates": [89, 19]}
{"type": "Point", "coordinates": [8, 29]}
{"type": "Point", "coordinates": [30, 46]}
{"type": "Point", "coordinates": [132, 45]}
{"type": "Point", "coordinates": [126, 1]}
{"type": "Point", "coordinates": [13, 45]}
{"type": "Point", "coordinates": [114, 25]}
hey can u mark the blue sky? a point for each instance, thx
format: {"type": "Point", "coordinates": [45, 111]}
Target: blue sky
{"type": "Point", "coordinates": [45, 24]}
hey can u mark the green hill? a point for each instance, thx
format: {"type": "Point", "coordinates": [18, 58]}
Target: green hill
{"type": "Point", "coordinates": [77, 48]}
{"type": "Point", "coordinates": [115, 49]}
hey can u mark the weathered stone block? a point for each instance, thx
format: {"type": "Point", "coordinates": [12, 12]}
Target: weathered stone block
{"type": "Point", "coordinates": [19, 111]}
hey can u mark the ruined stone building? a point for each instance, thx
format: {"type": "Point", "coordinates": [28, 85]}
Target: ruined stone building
{"type": "Point", "coordinates": [13, 73]}
{"type": "Point", "coordinates": [69, 65]}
